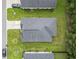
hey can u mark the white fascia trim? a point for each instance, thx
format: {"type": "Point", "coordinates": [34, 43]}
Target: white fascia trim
{"type": "Point", "coordinates": [37, 52]}
{"type": "Point", "coordinates": [37, 7]}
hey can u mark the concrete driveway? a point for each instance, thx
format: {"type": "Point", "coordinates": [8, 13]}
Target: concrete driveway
{"type": "Point", "coordinates": [10, 2]}
{"type": "Point", "coordinates": [13, 25]}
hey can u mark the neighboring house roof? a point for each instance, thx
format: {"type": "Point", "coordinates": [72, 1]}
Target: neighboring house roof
{"type": "Point", "coordinates": [34, 4]}
{"type": "Point", "coordinates": [38, 55]}
{"type": "Point", "coordinates": [38, 29]}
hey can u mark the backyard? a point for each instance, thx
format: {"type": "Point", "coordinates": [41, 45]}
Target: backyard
{"type": "Point", "coordinates": [16, 47]}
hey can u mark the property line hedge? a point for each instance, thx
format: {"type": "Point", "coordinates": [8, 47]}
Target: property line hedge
{"type": "Point", "coordinates": [71, 34]}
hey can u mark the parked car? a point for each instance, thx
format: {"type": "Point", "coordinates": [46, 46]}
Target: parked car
{"type": "Point", "coordinates": [15, 5]}
{"type": "Point", "coordinates": [4, 52]}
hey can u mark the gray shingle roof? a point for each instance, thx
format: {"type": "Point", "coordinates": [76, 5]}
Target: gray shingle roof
{"type": "Point", "coordinates": [27, 4]}
{"type": "Point", "coordinates": [38, 29]}
{"type": "Point", "coordinates": [38, 55]}
{"type": "Point", "coordinates": [36, 36]}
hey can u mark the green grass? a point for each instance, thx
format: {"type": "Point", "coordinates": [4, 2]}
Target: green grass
{"type": "Point", "coordinates": [60, 56]}
{"type": "Point", "coordinates": [58, 43]}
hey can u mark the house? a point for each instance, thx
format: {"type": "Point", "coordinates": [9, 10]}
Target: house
{"type": "Point", "coordinates": [38, 29]}
{"type": "Point", "coordinates": [38, 55]}
{"type": "Point", "coordinates": [38, 4]}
